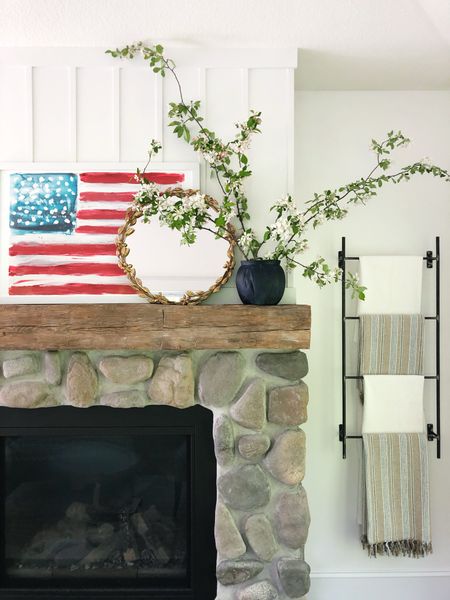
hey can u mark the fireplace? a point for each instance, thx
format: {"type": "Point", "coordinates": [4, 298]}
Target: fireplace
{"type": "Point", "coordinates": [120, 425]}
{"type": "Point", "coordinates": [107, 503]}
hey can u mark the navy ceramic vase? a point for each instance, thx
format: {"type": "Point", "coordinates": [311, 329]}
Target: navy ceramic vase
{"type": "Point", "coordinates": [260, 282]}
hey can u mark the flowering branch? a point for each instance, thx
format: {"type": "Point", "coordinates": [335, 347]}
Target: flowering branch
{"type": "Point", "coordinates": [285, 238]}
{"type": "Point", "coordinates": [217, 154]}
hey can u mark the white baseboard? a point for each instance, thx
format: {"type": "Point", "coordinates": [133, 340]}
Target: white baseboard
{"type": "Point", "coordinates": [417, 585]}
{"type": "Point", "coordinates": [376, 574]}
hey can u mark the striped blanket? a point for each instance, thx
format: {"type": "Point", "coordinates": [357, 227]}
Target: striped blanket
{"type": "Point", "coordinates": [391, 344]}
{"type": "Point", "coordinates": [396, 519]}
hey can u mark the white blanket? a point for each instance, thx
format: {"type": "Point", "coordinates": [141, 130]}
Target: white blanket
{"type": "Point", "coordinates": [393, 404]}
{"type": "Point", "coordinates": [394, 284]}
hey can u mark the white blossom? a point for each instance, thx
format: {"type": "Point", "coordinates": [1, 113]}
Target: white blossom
{"type": "Point", "coordinates": [337, 273]}
{"type": "Point", "coordinates": [246, 240]}
{"type": "Point", "coordinates": [283, 202]}
{"type": "Point", "coordinates": [168, 202]}
{"type": "Point", "coordinates": [177, 213]}
{"type": "Point", "coordinates": [195, 202]}
{"type": "Point", "coordinates": [147, 190]}
{"type": "Point", "coordinates": [243, 145]}
{"type": "Point", "coordinates": [300, 246]}
{"type": "Point", "coordinates": [209, 156]}
{"type": "Point", "coordinates": [319, 218]}
{"type": "Point", "coordinates": [230, 213]}
{"type": "Point", "coordinates": [281, 230]}
{"type": "Point", "coordinates": [287, 204]}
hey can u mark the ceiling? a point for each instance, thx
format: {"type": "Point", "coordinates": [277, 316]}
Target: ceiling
{"type": "Point", "coordinates": [343, 44]}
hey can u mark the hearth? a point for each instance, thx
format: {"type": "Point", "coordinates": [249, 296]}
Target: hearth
{"type": "Point", "coordinates": [107, 503]}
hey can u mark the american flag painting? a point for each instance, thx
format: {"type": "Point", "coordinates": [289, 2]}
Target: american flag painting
{"type": "Point", "coordinates": [62, 230]}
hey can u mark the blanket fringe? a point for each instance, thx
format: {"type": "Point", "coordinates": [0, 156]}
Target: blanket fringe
{"type": "Point", "coordinates": [414, 548]}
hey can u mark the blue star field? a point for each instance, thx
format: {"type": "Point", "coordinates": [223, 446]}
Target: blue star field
{"type": "Point", "coordinates": [43, 202]}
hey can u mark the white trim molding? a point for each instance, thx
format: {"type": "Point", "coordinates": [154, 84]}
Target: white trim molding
{"type": "Point", "coordinates": [388, 585]}
{"type": "Point", "coordinates": [251, 58]}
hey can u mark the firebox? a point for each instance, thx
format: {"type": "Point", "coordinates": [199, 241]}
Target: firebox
{"type": "Point", "coordinates": [105, 503]}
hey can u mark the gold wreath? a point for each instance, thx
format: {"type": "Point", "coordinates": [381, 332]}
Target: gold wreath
{"type": "Point", "coordinates": [133, 215]}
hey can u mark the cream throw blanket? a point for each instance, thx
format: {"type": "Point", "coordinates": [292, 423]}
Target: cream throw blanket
{"type": "Point", "coordinates": [393, 403]}
{"type": "Point", "coordinates": [394, 284]}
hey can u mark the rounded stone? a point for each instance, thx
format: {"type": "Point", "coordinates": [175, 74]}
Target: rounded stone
{"type": "Point", "coordinates": [261, 590]}
{"type": "Point", "coordinates": [229, 541]}
{"type": "Point", "coordinates": [294, 577]}
{"type": "Point", "coordinates": [26, 394]}
{"type": "Point", "coordinates": [292, 518]}
{"type": "Point", "coordinates": [124, 399]}
{"type": "Point", "coordinates": [22, 365]}
{"type": "Point", "coordinates": [252, 447]}
{"type": "Point", "coordinates": [126, 369]}
{"type": "Point", "coordinates": [260, 536]}
{"type": "Point", "coordinates": [288, 365]}
{"type": "Point", "coordinates": [288, 405]}
{"type": "Point", "coordinates": [220, 378]}
{"type": "Point", "coordinates": [250, 409]}
{"type": "Point", "coordinates": [223, 440]}
{"type": "Point", "coordinates": [81, 384]}
{"type": "Point", "coordinates": [231, 572]}
{"type": "Point", "coordinates": [286, 459]}
{"type": "Point", "coordinates": [173, 382]}
{"type": "Point", "coordinates": [245, 488]}
{"type": "Point", "coordinates": [52, 368]}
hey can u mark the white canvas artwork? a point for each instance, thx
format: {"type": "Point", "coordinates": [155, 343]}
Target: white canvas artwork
{"type": "Point", "coordinates": [58, 228]}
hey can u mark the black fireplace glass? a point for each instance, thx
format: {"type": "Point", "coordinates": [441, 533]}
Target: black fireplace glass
{"type": "Point", "coordinates": [107, 503]}
{"type": "Point", "coordinates": [97, 506]}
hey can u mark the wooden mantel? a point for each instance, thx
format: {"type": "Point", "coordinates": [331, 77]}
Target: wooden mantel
{"type": "Point", "coordinates": [153, 327]}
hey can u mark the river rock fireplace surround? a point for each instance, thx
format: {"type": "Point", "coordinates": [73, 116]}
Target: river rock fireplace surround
{"type": "Point", "coordinates": [236, 371]}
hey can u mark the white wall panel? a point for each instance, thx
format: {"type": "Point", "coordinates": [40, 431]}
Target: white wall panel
{"type": "Point", "coordinates": [269, 92]}
{"type": "Point", "coordinates": [97, 111]}
{"type": "Point", "coordinates": [226, 99]}
{"type": "Point", "coordinates": [226, 103]}
{"type": "Point", "coordinates": [52, 114]}
{"type": "Point", "coordinates": [192, 81]}
{"type": "Point", "coordinates": [140, 112]}
{"type": "Point", "coordinates": [16, 113]}
{"type": "Point", "coordinates": [79, 104]}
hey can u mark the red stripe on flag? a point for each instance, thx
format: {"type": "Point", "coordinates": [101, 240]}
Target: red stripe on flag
{"type": "Point", "coordinates": [112, 177]}
{"type": "Point", "coordinates": [105, 229]}
{"type": "Point", "coordinates": [70, 288]}
{"type": "Point", "coordinates": [63, 249]}
{"type": "Point", "coordinates": [101, 269]}
{"type": "Point", "coordinates": [107, 196]}
{"type": "Point", "coordinates": [101, 214]}
{"type": "Point", "coordinates": [164, 178]}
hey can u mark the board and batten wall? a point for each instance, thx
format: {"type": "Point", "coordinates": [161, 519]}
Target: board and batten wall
{"type": "Point", "coordinates": [333, 133]}
{"type": "Point", "coordinates": [80, 105]}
